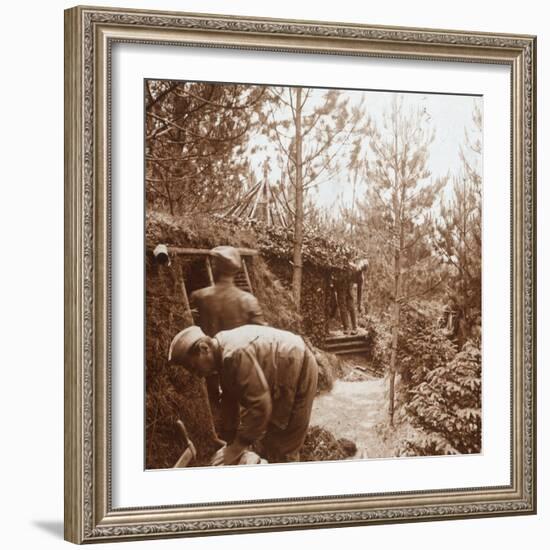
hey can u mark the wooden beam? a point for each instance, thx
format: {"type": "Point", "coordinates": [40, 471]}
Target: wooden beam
{"type": "Point", "coordinates": [178, 251]}
{"type": "Point", "coordinates": [186, 304]}
{"type": "Point", "coordinates": [209, 270]}
{"type": "Point", "coordinates": [245, 270]}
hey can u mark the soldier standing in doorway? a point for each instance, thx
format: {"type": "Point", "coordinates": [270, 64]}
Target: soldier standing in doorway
{"type": "Point", "coordinates": [344, 283]}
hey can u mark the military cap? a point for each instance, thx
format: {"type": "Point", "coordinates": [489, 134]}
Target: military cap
{"type": "Point", "coordinates": [228, 259]}
{"type": "Point", "coordinates": [182, 343]}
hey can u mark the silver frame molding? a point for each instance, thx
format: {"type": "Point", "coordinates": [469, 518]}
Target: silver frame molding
{"type": "Point", "coordinates": [89, 35]}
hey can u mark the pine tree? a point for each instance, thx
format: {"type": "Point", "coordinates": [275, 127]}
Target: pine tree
{"type": "Point", "coordinates": [310, 130]}
{"type": "Point", "coordinates": [196, 134]}
{"type": "Point", "coordinates": [458, 233]}
{"type": "Point", "coordinates": [400, 200]}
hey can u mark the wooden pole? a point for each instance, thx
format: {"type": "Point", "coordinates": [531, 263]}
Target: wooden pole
{"type": "Point", "coordinates": [209, 271]}
{"type": "Point", "coordinates": [179, 251]}
{"type": "Point", "coordinates": [186, 304]}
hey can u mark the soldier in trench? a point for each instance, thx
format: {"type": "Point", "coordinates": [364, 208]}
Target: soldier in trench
{"type": "Point", "coordinates": [223, 306]}
{"type": "Point", "coordinates": [344, 285]}
{"type": "Point", "coordinates": [268, 379]}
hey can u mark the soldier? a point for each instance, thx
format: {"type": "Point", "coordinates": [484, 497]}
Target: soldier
{"type": "Point", "coordinates": [224, 306]}
{"type": "Point", "coordinates": [344, 294]}
{"type": "Point", "coordinates": [268, 378]}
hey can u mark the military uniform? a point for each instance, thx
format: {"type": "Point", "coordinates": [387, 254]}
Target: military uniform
{"type": "Point", "coordinates": [344, 284]}
{"type": "Point", "coordinates": [224, 307]}
{"type": "Point", "coordinates": [344, 297]}
{"type": "Point", "coordinates": [268, 379]}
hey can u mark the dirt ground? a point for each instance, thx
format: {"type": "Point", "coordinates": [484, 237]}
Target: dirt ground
{"type": "Point", "coordinates": [351, 410]}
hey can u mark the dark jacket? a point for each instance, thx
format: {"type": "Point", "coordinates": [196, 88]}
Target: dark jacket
{"type": "Point", "coordinates": [224, 306]}
{"type": "Point", "coordinates": [263, 374]}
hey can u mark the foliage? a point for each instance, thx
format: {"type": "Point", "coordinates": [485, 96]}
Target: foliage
{"type": "Point", "coordinates": [458, 236]}
{"type": "Point", "coordinates": [330, 368]}
{"type": "Point", "coordinates": [196, 135]}
{"type": "Point", "coordinates": [171, 393]}
{"type": "Point", "coordinates": [319, 249]}
{"type": "Point", "coordinates": [443, 400]}
{"type": "Point", "coordinates": [310, 127]}
{"type": "Point", "coordinates": [439, 395]}
{"type": "Point", "coordinates": [320, 444]}
{"type": "Point", "coordinates": [188, 230]}
{"type": "Point", "coordinates": [398, 206]}
{"type": "Point", "coordinates": [378, 336]}
{"type": "Point", "coordinates": [400, 199]}
{"type": "Point", "coordinates": [423, 347]}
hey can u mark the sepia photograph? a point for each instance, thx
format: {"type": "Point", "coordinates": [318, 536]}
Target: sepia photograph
{"type": "Point", "coordinates": [312, 274]}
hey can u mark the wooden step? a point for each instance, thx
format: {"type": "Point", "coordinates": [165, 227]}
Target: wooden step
{"type": "Point", "coordinates": [350, 344]}
{"type": "Point", "coordinates": [349, 351]}
{"type": "Point", "coordinates": [346, 338]}
{"type": "Point", "coordinates": [346, 344]}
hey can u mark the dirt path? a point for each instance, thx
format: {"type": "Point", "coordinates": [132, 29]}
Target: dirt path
{"type": "Point", "coordinates": [351, 410]}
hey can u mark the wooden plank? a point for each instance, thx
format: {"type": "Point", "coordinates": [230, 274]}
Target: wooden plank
{"type": "Point", "coordinates": [209, 270]}
{"type": "Point", "coordinates": [343, 348]}
{"type": "Point", "coordinates": [347, 338]}
{"type": "Point", "coordinates": [349, 351]}
{"type": "Point", "coordinates": [245, 271]}
{"type": "Point", "coordinates": [186, 304]}
{"type": "Point", "coordinates": [179, 251]}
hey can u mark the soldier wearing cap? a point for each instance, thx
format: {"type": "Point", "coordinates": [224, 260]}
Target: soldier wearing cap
{"type": "Point", "coordinates": [224, 306]}
{"type": "Point", "coordinates": [268, 378]}
{"type": "Point", "coordinates": [344, 283]}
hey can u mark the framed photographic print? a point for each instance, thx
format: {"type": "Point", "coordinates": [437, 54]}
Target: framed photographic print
{"type": "Point", "coordinates": [300, 274]}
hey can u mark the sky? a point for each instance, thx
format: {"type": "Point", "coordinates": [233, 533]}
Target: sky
{"type": "Point", "coordinates": [449, 115]}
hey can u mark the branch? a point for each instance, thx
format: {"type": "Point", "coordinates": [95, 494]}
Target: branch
{"type": "Point", "coordinates": [198, 136]}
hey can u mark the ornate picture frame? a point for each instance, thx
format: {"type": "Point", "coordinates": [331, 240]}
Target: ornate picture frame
{"type": "Point", "coordinates": [90, 34]}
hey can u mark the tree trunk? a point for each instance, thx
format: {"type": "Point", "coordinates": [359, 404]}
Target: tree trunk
{"type": "Point", "coordinates": [398, 243]}
{"type": "Point", "coordinates": [393, 360]}
{"type": "Point", "coordinates": [395, 318]}
{"type": "Point", "coordinates": [299, 216]}
{"type": "Point", "coordinates": [353, 215]}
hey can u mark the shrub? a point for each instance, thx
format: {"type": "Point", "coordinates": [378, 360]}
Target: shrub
{"type": "Point", "coordinates": [378, 338]}
{"type": "Point", "coordinates": [445, 407]}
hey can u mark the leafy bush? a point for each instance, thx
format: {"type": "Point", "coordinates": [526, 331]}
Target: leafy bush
{"type": "Point", "coordinates": [445, 407]}
{"type": "Point", "coordinates": [378, 338]}
{"type": "Point", "coordinates": [423, 347]}
{"type": "Point", "coordinates": [320, 250]}
{"type": "Point", "coordinates": [438, 395]}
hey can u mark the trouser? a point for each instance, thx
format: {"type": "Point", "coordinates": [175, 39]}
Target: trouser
{"type": "Point", "coordinates": [283, 445]}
